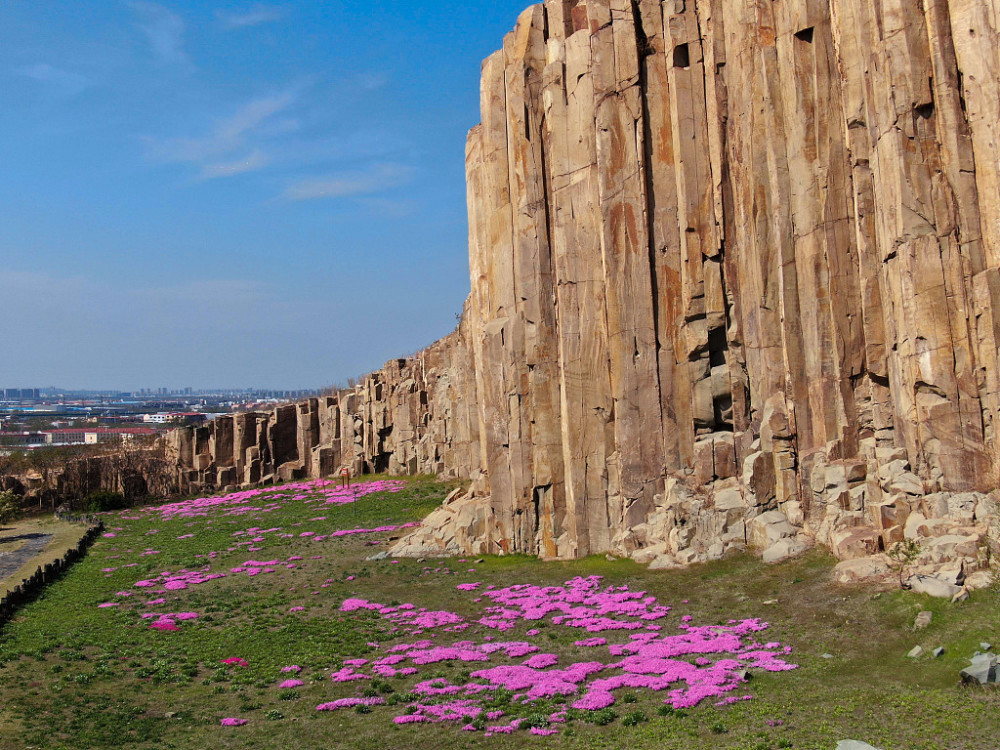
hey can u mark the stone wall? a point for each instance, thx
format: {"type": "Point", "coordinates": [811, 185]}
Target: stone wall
{"type": "Point", "coordinates": [735, 274]}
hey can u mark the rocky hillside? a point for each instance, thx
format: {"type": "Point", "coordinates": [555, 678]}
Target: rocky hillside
{"type": "Point", "coordinates": [735, 279]}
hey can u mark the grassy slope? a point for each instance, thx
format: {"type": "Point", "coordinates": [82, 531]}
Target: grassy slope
{"type": "Point", "coordinates": [75, 676]}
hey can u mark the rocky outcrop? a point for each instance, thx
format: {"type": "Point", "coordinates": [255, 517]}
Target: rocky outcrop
{"type": "Point", "coordinates": [735, 281]}
{"type": "Point", "coordinates": [414, 416]}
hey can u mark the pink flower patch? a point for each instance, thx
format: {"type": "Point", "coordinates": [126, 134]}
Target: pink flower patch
{"type": "Point", "coordinates": [349, 703]}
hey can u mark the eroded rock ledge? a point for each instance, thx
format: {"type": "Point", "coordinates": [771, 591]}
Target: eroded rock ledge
{"type": "Point", "coordinates": [735, 281]}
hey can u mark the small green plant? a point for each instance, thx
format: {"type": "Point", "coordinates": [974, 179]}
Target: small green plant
{"type": "Point", "coordinates": [902, 554]}
{"type": "Point", "coordinates": [665, 710]}
{"type": "Point", "coordinates": [273, 715]}
{"type": "Point", "coordinates": [603, 717]}
{"type": "Point", "coordinates": [535, 720]}
{"type": "Point", "coordinates": [718, 728]}
{"type": "Point", "coordinates": [630, 698]}
{"type": "Point", "coordinates": [784, 742]}
{"type": "Point", "coordinates": [284, 695]}
{"type": "Point", "coordinates": [634, 718]}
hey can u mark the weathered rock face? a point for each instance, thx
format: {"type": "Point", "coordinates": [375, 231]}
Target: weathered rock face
{"type": "Point", "coordinates": [414, 416]}
{"type": "Point", "coordinates": [735, 280]}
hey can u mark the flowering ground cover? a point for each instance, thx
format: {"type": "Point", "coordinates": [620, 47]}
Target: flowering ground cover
{"type": "Point", "coordinates": [254, 620]}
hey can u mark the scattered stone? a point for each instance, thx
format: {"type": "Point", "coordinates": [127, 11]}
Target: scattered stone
{"type": "Point", "coordinates": [916, 652]}
{"type": "Point", "coordinates": [826, 656]}
{"type": "Point", "coordinates": [985, 646]}
{"type": "Point", "coordinates": [854, 745]}
{"type": "Point", "coordinates": [922, 620]}
{"type": "Point", "coordinates": [771, 601]}
{"type": "Point", "coordinates": [169, 714]}
{"type": "Point", "coordinates": [961, 596]}
{"type": "Point", "coordinates": [784, 549]}
{"type": "Point", "coordinates": [479, 561]}
{"type": "Point", "coordinates": [982, 670]}
{"type": "Point", "coordinates": [861, 568]}
{"type": "Point", "coordinates": [981, 579]}
{"type": "Point", "coordinates": [938, 652]}
{"type": "Point", "coordinates": [921, 584]}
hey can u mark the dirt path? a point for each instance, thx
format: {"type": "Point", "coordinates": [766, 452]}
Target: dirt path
{"type": "Point", "coordinates": [12, 561]}
{"type": "Point", "coordinates": [30, 543]}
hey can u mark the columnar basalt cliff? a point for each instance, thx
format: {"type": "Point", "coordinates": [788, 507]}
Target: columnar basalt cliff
{"type": "Point", "coordinates": [735, 276]}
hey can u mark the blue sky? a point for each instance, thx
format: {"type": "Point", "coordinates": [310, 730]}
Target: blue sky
{"type": "Point", "coordinates": [248, 194]}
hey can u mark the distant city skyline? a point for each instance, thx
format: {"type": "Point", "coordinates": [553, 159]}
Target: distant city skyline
{"type": "Point", "coordinates": [247, 193]}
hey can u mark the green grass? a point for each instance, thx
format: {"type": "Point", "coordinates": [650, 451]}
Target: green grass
{"type": "Point", "coordinates": [75, 676]}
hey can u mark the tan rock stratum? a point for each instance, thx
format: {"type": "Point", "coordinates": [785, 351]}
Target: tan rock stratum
{"type": "Point", "coordinates": [735, 276]}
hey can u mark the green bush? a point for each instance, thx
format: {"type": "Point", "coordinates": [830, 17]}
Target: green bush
{"type": "Point", "coordinates": [634, 718]}
{"type": "Point", "coordinates": [101, 501]}
{"type": "Point", "coordinates": [603, 717]}
{"type": "Point", "coordinates": [10, 506]}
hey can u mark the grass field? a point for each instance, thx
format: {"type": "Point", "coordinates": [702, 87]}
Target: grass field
{"type": "Point", "coordinates": [261, 580]}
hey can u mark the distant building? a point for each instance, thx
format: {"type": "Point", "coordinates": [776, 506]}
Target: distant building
{"type": "Point", "coordinates": [10, 439]}
{"type": "Point", "coordinates": [21, 394]}
{"type": "Point", "coordinates": [174, 417]}
{"type": "Point", "coordinates": [95, 435]}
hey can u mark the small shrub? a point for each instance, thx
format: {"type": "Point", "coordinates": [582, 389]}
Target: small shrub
{"type": "Point", "coordinates": [274, 715]}
{"type": "Point", "coordinates": [634, 718]}
{"type": "Point", "coordinates": [361, 708]}
{"type": "Point", "coordinates": [665, 710]}
{"type": "Point", "coordinates": [534, 720]}
{"type": "Point", "coordinates": [630, 698]}
{"type": "Point", "coordinates": [604, 717]}
{"type": "Point", "coordinates": [784, 742]}
{"type": "Point", "coordinates": [101, 501]}
{"type": "Point", "coordinates": [902, 554]}
{"type": "Point", "coordinates": [718, 728]}
{"type": "Point", "coordinates": [288, 695]}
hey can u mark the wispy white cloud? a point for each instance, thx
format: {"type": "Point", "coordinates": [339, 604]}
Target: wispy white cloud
{"type": "Point", "coordinates": [253, 114]}
{"type": "Point", "coordinates": [255, 15]}
{"type": "Point", "coordinates": [64, 80]}
{"type": "Point", "coordinates": [255, 160]}
{"type": "Point", "coordinates": [163, 28]}
{"type": "Point", "coordinates": [372, 81]}
{"type": "Point", "coordinates": [394, 209]}
{"type": "Point", "coordinates": [255, 120]}
{"type": "Point", "coordinates": [344, 184]}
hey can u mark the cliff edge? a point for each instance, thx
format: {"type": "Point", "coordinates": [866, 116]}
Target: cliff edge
{"type": "Point", "coordinates": [735, 281]}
